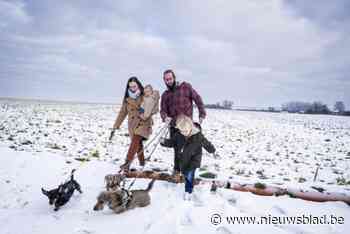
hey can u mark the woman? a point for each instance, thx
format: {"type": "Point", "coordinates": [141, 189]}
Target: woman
{"type": "Point", "coordinates": [139, 129]}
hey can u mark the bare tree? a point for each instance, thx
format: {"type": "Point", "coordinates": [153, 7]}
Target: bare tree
{"type": "Point", "coordinates": [339, 107]}
{"type": "Point", "coordinates": [227, 104]}
{"type": "Point", "coordinates": [318, 108]}
{"type": "Point", "coordinates": [296, 107]}
{"type": "Point", "coordinates": [305, 107]}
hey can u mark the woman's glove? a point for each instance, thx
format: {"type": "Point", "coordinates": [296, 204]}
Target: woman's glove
{"type": "Point", "coordinates": [141, 110]}
{"type": "Point", "coordinates": [112, 134]}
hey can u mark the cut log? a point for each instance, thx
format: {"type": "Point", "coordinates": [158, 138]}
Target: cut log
{"type": "Point", "coordinates": [266, 190]}
{"type": "Point", "coordinates": [155, 175]}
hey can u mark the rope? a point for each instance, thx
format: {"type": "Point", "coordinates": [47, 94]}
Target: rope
{"type": "Point", "coordinates": [154, 149]}
{"type": "Point", "coordinates": [161, 131]}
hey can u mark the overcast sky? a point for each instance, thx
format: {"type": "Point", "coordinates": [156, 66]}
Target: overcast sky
{"type": "Point", "coordinates": [254, 52]}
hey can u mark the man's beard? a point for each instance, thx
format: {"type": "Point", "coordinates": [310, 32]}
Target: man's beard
{"type": "Point", "coordinates": [172, 86]}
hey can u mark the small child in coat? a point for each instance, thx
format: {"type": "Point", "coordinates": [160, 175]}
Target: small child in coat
{"type": "Point", "coordinates": [150, 103]}
{"type": "Point", "coordinates": [189, 140]}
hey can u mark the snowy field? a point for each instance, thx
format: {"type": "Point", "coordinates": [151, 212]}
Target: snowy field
{"type": "Point", "coordinates": [41, 142]}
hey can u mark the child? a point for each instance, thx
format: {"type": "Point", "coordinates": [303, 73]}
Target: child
{"type": "Point", "coordinates": [189, 140]}
{"type": "Point", "coordinates": [150, 103]}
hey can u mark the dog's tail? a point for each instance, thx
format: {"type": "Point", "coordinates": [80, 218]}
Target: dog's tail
{"type": "Point", "coordinates": [45, 192]}
{"type": "Point", "coordinates": [72, 174]}
{"type": "Point", "coordinates": [150, 185]}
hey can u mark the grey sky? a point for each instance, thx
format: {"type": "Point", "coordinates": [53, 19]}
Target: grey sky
{"type": "Point", "coordinates": [256, 53]}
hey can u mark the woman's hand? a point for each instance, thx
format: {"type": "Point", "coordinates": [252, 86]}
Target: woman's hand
{"type": "Point", "coordinates": [112, 133]}
{"type": "Point", "coordinates": [141, 110]}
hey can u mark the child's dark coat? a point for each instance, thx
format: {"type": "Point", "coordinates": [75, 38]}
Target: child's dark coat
{"type": "Point", "coordinates": [190, 150]}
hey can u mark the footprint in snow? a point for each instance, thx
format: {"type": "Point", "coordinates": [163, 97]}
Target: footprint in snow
{"type": "Point", "coordinates": [84, 231]}
{"type": "Point", "coordinates": [56, 217]}
{"type": "Point", "coordinates": [279, 210]}
{"type": "Point", "coordinates": [186, 220]}
{"type": "Point", "coordinates": [197, 201]}
{"type": "Point", "coordinates": [223, 230]}
{"type": "Point", "coordinates": [232, 201]}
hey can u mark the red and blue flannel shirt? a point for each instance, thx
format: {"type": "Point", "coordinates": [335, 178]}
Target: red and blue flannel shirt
{"type": "Point", "coordinates": [180, 101]}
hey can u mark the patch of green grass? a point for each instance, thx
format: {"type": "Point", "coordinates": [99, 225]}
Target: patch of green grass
{"type": "Point", "coordinates": [239, 172]}
{"type": "Point", "coordinates": [301, 180]}
{"type": "Point", "coordinates": [95, 154]}
{"type": "Point", "coordinates": [203, 168]}
{"type": "Point", "coordinates": [208, 175]}
{"type": "Point", "coordinates": [82, 159]}
{"type": "Point", "coordinates": [260, 185]}
{"type": "Point", "coordinates": [55, 146]}
{"type": "Point", "coordinates": [342, 181]}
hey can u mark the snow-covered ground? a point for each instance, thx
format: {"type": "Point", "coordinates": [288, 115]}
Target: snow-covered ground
{"type": "Point", "coordinates": [41, 142]}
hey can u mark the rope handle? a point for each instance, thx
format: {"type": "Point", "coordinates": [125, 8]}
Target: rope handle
{"type": "Point", "coordinates": [134, 180]}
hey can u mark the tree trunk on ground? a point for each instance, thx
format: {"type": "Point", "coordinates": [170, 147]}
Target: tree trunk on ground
{"type": "Point", "coordinates": [258, 189]}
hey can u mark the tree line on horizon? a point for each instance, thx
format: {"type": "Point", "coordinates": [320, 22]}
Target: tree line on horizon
{"type": "Point", "coordinates": [316, 107]}
{"type": "Point", "coordinates": [224, 105]}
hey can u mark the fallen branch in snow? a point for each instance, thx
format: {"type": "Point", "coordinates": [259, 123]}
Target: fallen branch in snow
{"type": "Point", "coordinates": [258, 189]}
{"type": "Point", "coordinates": [316, 173]}
{"type": "Point", "coordinates": [308, 195]}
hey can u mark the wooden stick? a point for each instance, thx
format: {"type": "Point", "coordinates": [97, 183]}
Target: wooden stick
{"type": "Point", "coordinates": [316, 173]}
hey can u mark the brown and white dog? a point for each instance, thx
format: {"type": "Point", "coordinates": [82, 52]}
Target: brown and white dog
{"type": "Point", "coordinates": [122, 200]}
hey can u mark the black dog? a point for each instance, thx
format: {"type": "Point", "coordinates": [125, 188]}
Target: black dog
{"type": "Point", "coordinates": [61, 195]}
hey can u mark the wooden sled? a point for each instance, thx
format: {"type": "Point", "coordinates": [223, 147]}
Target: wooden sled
{"type": "Point", "coordinates": [258, 189]}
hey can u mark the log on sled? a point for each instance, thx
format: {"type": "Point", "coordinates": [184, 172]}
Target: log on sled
{"type": "Point", "coordinates": [156, 175]}
{"type": "Point", "coordinates": [258, 188]}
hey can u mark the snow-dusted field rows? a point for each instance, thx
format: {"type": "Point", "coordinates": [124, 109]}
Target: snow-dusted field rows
{"type": "Point", "coordinates": [41, 142]}
{"type": "Point", "coordinates": [274, 148]}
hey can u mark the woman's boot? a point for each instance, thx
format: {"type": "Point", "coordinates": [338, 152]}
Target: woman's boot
{"type": "Point", "coordinates": [125, 166]}
{"type": "Point", "coordinates": [141, 155]}
{"type": "Point", "coordinates": [141, 158]}
{"type": "Point", "coordinates": [133, 148]}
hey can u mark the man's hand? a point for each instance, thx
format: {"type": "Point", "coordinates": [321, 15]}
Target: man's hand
{"type": "Point", "coordinates": [162, 141]}
{"type": "Point", "coordinates": [168, 120]}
